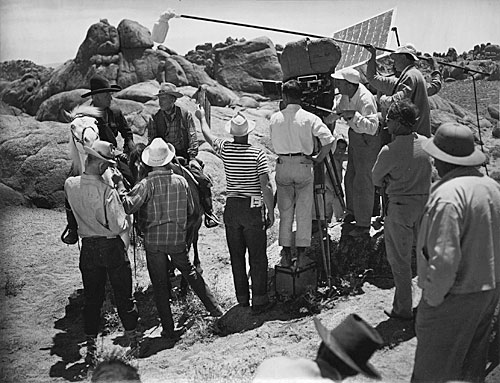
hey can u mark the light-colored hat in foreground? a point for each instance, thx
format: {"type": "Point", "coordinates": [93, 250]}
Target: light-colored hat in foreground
{"type": "Point", "coordinates": [168, 88]}
{"type": "Point", "coordinates": [349, 74]}
{"type": "Point", "coordinates": [407, 49]}
{"type": "Point", "coordinates": [103, 150]}
{"type": "Point", "coordinates": [239, 126]}
{"type": "Point", "coordinates": [158, 153]}
{"type": "Point", "coordinates": [454, 143]}
{"type": "Point", "coordinates": [353, 341]}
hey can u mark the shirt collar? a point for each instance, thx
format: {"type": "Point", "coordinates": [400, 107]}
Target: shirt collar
{"type": "Point", "coordinates": [461, 171]}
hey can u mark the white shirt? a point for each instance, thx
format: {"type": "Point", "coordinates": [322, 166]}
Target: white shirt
{"type": "Point", "coordinates": [364, 104]}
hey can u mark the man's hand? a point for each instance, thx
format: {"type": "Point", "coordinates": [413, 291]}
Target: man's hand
{"type": "Point", "coordinates": [347, 114]}
{"type": "Point", "coordinates": [199, 113]}
{"type": "Point", "coordinates": [331, 118]}
{"type": "Point", "coordinates": [122, 157]}
{"type": "Point", "coordinates": [370, 48]}
{"type": "Point", "coordinates": [194, 164]}
{"type": "Point", "coordinates": [431, 61]}
{"type": "Point", "coordinates": [270, 219]}
{"type": "Point", "coordinates": [116, 177]}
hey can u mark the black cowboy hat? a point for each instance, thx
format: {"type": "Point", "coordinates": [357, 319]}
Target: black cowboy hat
{"type": "Point", "coordinates": [99, 84]}
{"type": "Point", "coordinates": [353, 341]}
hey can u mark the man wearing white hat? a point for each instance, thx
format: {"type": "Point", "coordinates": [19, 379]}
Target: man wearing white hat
{"type": "Point", "coordinates": [249, 196]}
{"type": "Point", "coordinates": [164, 203]}
{"type": "Point", "coordinates": [410, 84]}
{"type": "Point", "coordinates": [175, 124]}
{"type": "Point", "coordinates": [458, 262]}
{"type": "Point", "coordinates": [358, 108]}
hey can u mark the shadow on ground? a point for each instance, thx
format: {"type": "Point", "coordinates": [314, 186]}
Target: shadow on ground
{"type": "Point", "coordinates": [67, 344]}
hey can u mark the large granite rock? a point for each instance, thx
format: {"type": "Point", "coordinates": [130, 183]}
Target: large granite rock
{"type": "Point", "coordinates": [240, 65]}
{"type": "Point", "coordinates": [22, 93]}
{"type": "Point", "coordinates": [34, 159]}
{"type": "Point", "coordinates": [141, 92]}
{"type": "Point", "coordinates": [51, 109]}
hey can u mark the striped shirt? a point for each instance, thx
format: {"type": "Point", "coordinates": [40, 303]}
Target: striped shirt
{"type": "Point", "coordinates": [243, 164]}
{"type": "Point", "coordinates": [164, 203]}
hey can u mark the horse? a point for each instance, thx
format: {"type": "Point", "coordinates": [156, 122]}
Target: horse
{"type": "Point", "coordinates": [84, 132]}
{"type": "Point", "coordinates": [139, 171]}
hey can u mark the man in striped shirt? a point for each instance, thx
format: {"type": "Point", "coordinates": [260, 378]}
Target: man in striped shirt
{"type": "Point", "coordinates": [164, 203]}
{"type": "Point", "coordinates": [249, 193]}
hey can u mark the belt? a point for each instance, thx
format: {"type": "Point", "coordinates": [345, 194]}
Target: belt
{"type": "Point", "coordinates": [103, 237]}
{"type": "Point", "coordinates": [291, 154]}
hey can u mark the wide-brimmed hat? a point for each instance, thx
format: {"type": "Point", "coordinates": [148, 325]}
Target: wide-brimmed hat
{"type": "Point", "coordinates": [168, 88]}
{"type": "Point", "coordinates": [353, 341]}
{"type": "Point", "coordinates": [408, 49]}
{"type": "Point", "coordinates": [103, 150]}
{"type": "Point", "coordinates": [99, 84]}
{"type": "Point", "coordinates": [454, 143]}
{"type": "Point", "coordinates": [158, 153]}
{"type": "Point", "coordinates": [239, 126]}
{"type": "Point", "coordinates": [349, 74]}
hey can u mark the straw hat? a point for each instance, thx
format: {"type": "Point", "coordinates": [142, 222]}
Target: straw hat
{"type": "Point", "coordinates": [408, 49]}
{"type": "Point", "coordinates": [353, 341]}
{"type": "Point", "coordinates": [239, 126]}
{"type": "Point", "coordinates": [158, 153]}
{"type": "Point", "coordinates": [168, 88]}
{"type": "Point", "coordinates": [102, 150]}
{"type": "Point", "coordinates": [454, 143]}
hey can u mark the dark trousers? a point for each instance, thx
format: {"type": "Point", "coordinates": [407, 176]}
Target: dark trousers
{"type": "Point", "coordinates": [452, 338]}
{"type": "Point", "coordinates": [245, 229]}
{"type": "Point", "coordinates": [158, 267]}
{"type": "Point", "coordinates": [102, 258]}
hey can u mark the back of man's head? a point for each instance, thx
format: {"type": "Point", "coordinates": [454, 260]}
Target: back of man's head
{"type": "Point", "coordinates": [292, 89]}
{"type": "Point", "coordinates": [115, 370]}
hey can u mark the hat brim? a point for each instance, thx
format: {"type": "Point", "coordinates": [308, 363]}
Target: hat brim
{"type": "Point", "coordinates": [175, 94]}
{"type": "Point", "coordinates": [93, 153]}
{"type": "Point", "coordinates": [251, 126]}
{"type": "Point", "coordinates": [148, 161]}
{"type": "Point", "coordinates": [477, 158]}
{"type": "Point", "coordinates": [112, 88]}
{"type": "Point", "coordinates": [405, 53]}
{"type": "Point", "coordinates": [332, 344]}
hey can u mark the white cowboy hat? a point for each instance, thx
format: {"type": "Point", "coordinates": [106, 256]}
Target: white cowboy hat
{"type": "Point", "coordinates": [158, 153]}
{"type": "Point", "coordinates": [239, 126]}
{"type": "Point", "coordinates": [102, 150]}
{"type": "Point", "coordinates": [454, 143]}
{"type": "Point", "coordinates": [349, 74]}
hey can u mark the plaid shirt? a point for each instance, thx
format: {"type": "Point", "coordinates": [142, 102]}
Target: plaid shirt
{"type": "Point", "coordinates": [164, 202]}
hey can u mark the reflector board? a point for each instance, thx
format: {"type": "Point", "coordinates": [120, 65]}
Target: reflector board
{"type": "Point", "coordinates": [375, 30]}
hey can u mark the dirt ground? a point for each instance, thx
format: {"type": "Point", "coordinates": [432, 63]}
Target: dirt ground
{"type": "Point", "coordinates": [41, 324]}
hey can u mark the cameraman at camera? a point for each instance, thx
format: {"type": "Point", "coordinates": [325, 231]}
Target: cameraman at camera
{"type": "Point", "coordinates": [292, 132]}
{"type": "Point", "coordinates": [358, 107]}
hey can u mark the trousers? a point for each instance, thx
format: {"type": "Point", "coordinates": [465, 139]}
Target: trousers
{"type": "Point", "coordinates": [452, 338]}
{"type": "Point", "coordinates": [401, 227]}
{"type": "Point", "coordinates": [245, 230]}
{"type": "Point", "coordinates": [102, 258]}
{"type": "Point", "coordinates": [359, 189]}
{"type": "Point", "coordinates": [158, 268]}
{"type": "Point", "coordinates": [294, 184]}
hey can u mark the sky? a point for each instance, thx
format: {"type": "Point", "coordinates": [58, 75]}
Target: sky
{"type": "Point", "coordinates": [51, 31]}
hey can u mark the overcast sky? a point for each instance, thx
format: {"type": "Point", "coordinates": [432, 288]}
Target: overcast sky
{"type": "Point", "coordinates": [50, 31]}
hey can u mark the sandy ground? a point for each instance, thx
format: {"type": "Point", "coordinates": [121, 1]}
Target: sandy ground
{"type": "Point", "coordinates": [41, 325]}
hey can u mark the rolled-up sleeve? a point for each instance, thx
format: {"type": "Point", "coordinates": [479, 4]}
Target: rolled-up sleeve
{"type": "Point", "coordinates": [115, 214]}
{"type": "Point", "coordinates": [136, 197]}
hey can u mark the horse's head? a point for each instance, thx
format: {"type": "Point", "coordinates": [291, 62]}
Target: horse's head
{"type": "Point", "coordinates": [83, 126]}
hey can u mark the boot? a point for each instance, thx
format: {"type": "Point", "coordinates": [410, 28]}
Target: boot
{"type": "Point", "coordinates": [70, 233]}
{"type": "Point", "coordinates": [91, 357]}
{"type": "Point", "coordinates": [135, 339]}
{"type": "Point", "coordinates": [286, 256]}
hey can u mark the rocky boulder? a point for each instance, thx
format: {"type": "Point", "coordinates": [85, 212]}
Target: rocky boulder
{"type": "Point", "coordinates": [34, 159]}
{"type": "Point", "coordinates": [51, 109]}
{"type": "Point", "coordinates": [493, 111]}
{"type": "Point", "coordinates": [10, 110]}
{"type": "Point", "coordinates": [140, 92]}
{"type": "Point", "coordinates": [133, 35]}
{"type": "Point", "coordinates": [240, 66]}
{"type": "Point", "coordinates": [102, 39]}
{"type": "Point", "coordinates": [21, 93]}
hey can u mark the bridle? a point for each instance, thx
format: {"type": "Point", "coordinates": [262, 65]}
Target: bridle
{"type": "Point", "coordinates": [81, 140]}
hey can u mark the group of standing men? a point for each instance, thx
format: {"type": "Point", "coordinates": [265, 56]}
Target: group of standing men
{"type": "Point", "coordinates": [457, 252]}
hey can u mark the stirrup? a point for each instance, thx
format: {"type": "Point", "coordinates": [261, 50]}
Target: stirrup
{"type": "Point", "coordinates": [211, 221]}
